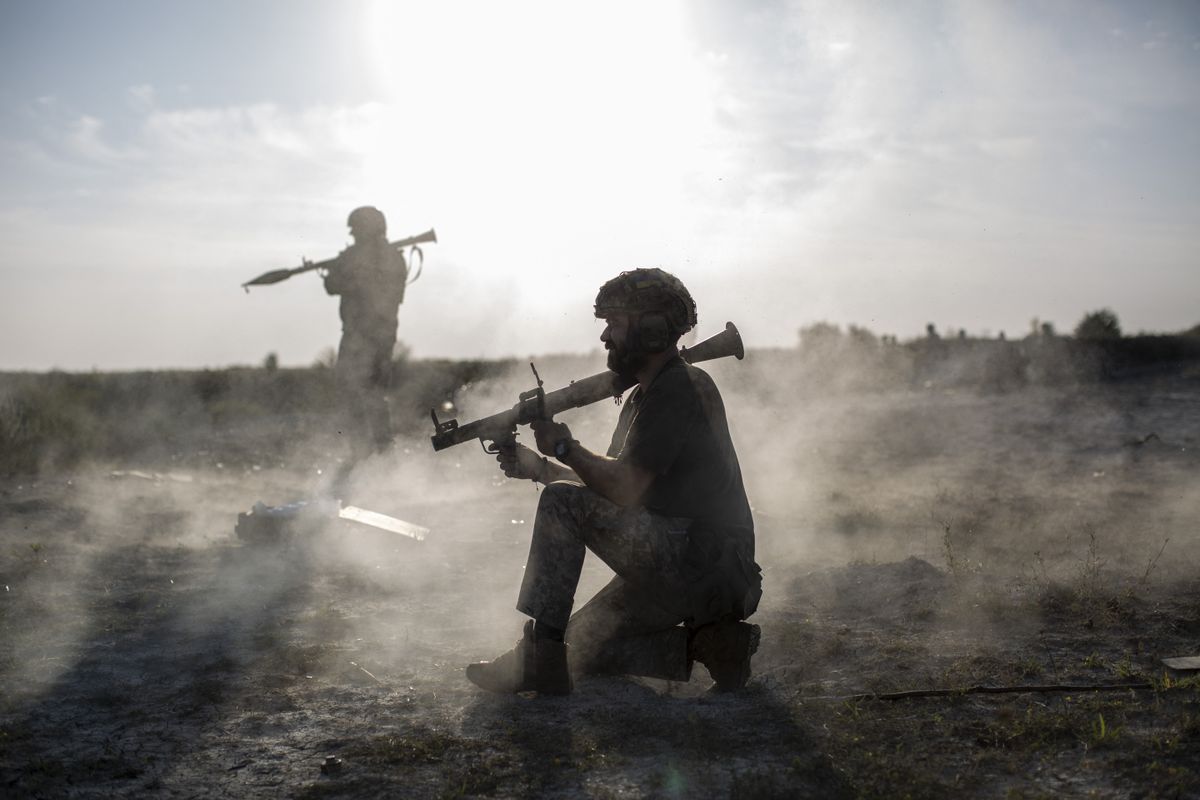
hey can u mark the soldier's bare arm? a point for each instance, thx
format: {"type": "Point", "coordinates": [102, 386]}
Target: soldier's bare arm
{"type": "Point", "coordinates": [622, 482]}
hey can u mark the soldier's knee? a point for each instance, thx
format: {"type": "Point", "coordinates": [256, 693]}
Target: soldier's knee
{"type": "Point", "coordinates": [559, 493]}
{"type": "Point", "coordinates": [562, 500]}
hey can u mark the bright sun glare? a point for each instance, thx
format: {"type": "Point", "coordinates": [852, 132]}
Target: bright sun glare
{"type": "Point", "coordinates": [582, 121]}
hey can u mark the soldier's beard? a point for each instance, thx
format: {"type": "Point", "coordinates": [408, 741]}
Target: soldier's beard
{"type": "Point", "coordinates": [626, 361]}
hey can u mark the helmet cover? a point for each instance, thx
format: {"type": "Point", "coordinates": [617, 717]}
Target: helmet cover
{"type": "Point", "coordinates": [367, 220]}
{"type": "Point", "coordinates": [648, 290]}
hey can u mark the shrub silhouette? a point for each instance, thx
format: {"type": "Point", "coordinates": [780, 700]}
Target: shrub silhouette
{"type": "Point", "coordinates": [1100, 324]}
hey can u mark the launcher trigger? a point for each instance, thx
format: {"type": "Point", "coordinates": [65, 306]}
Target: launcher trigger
{"type": "Point", "coordinates": [498, 445]}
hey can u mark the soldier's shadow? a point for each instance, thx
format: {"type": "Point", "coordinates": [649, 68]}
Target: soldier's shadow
{"type": "Point", "coordinates": [156, 671]}
{"type": "Point", "coordinates": [649, 738]}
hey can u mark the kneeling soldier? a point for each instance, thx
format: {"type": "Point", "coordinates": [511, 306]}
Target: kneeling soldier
{"type": "Point", "coordinates": [665, 509]}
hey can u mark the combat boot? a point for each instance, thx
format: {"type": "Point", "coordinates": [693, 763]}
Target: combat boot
{"type": "Point", "coordinates": [725, 648]}
{"type": "Point", "coordinates": [534, 665]}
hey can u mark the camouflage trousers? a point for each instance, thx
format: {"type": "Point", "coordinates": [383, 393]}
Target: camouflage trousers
{"type": "Point", "coordinates": [632, 625]}
{"type": "Point", "coordinates": [363, 374]}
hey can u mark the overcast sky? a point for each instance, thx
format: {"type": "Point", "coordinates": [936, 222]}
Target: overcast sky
{"type": "Point", "coordinates": [970, 164]}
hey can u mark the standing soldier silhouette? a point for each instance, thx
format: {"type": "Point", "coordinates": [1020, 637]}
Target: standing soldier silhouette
{"type": "Point", "coordinates": [370, 276]}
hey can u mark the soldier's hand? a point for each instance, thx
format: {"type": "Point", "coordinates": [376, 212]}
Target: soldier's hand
{"type": "Point", "coordinates": [547, 432]}
{"type": "Point", "coordinates": [518, 461]}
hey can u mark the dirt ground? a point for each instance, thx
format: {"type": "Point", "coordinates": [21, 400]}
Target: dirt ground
{"type": "Point", "coordinates": [911, 541]}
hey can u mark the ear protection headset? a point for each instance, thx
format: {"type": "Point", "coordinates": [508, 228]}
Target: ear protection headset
{"type": "Point", "coordinates": [652, 332]}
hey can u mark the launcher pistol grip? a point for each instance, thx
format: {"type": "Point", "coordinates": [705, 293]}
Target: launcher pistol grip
{"type": "Point", "coordinates": [507, 441]}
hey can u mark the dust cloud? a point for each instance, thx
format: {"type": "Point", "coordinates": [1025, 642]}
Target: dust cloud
{"type": "Point", "coordinates": [927, 512]}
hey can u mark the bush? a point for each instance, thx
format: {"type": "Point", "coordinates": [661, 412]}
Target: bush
{"type": "Point", "coordinates": [1098, 325]}
{"type": "Point", "coordinates": [43, 426]}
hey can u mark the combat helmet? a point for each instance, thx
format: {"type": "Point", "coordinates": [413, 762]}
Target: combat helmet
{"type": "Point", "coordinates": [367, 221]}
{"type": "Point", "coordinates": [661, 305]}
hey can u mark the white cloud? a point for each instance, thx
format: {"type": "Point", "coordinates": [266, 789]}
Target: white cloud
{"type": "Point", "coordinates": [980, 148]}
{"type": "Point", "coordinates": [142, 96]}
{"type": "Point", "coordinates": [203, 175]}
{"type": "Point", "coordinates": [1009, 147]}
{"type": "Point", "coordinates": [801, 159]}
{"type": "Point", "coordinates": [85, 139]}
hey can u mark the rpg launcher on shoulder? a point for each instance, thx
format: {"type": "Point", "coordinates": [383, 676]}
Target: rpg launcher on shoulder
{"type": "Point", "coordinates": [277, 275]}
{"type": "Point", "coordinates": [501, 429]}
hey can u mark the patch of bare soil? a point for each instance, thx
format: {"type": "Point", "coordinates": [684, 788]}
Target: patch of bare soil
{"type": "Point", "coordinates": [146, 651]}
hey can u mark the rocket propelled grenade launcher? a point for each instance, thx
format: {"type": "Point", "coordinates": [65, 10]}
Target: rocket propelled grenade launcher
{"type": "Point", "coordinates": [501, 429]}
{"type": "Point", "coordinates": [277, 275]}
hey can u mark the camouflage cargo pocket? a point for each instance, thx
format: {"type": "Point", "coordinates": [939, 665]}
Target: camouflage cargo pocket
{"type": "Point", "coordinates": [729, 586]}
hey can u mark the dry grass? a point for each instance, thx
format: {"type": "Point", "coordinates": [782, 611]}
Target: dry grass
{"type": "Point", "coordinates": [922, 538]}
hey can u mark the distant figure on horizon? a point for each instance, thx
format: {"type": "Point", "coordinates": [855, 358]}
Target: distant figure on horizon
{"type": "Point", "coordinates": [370, 276]}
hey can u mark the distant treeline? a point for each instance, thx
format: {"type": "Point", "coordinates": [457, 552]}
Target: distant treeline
{"type": "Point", "coordinates": [250, 415]}
{"type": "Point", "coordinates": [235, 416]}
{"type": "Point", "coordinates": [858, 359]}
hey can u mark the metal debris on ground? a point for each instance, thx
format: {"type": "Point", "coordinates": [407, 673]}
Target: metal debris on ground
{"type": "Point", "coordinates": [383, 522]}
{"type": "Point", "coordinates": [271, 525]}
{"type": "Point", "coordinates": [331, 765]}
{"type": "Point", "coordinates": [1182, 663]}
{"type": "Point", "coordinates": [157, 477]}
{"type": "Point", "coordinates": [365, 671]}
